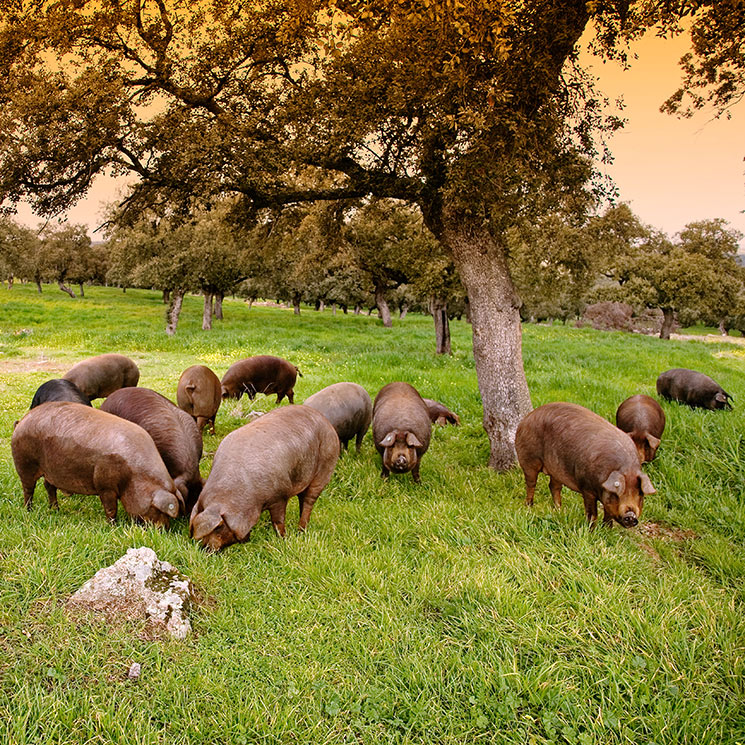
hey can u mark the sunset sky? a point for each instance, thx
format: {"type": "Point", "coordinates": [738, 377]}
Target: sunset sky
{"type": "Point", "coordinates": [672, 171]}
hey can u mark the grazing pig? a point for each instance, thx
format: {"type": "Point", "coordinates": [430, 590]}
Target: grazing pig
{"type": "Point", "coordinates": [401, 428]}
{"type": "Point", "coordinates": [83, 450]}
{"type": "Point", "coordinates": [347, 406]}
{"type": "Point", "coordinates": [260, 374]}
{"type": "Point", "coordinates": [199, 395]}
{"type": "Point", "coordinates": [440, 414]}
{"type": "Point", "coordinates": [58, 389]}
{"type": "Point", "coordinates": [692, 388]}
{"type": "Point", "coordinates": [174, 433]}
{"type": "Point", "coordinates": [259, 467]}
{"type": "Point", "coordinates": [581, 450]}
{"type": "Point", "coordinates": [97, 377]}
{"type": "Point", "coordinates": [643, 419]}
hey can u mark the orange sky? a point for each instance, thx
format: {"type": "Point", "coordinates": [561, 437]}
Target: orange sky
{"type": "Point", "coordinates": [672, 171]}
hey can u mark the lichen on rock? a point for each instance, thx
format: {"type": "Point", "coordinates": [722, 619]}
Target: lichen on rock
{"type": "Point", "coordinates": [139, 587]}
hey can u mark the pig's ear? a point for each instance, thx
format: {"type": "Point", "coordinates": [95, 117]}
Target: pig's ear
{"type": "Point", "coordinates": [412, 440]}
{"type": "Point", "coordinates": [224, 391]}
{"type": "Point", "coordinates": [166, 502]}
{"type": "Point", "coordinates": [646, 485]}
{"type": "Point", "coordinates": [182, 490]}
{"type": "Point", "coordinates": [204, 523]}
{"type": "Point", "coordinates": [615, 483]}
{"type": "Point", "coordinates": [388, 440]}
{"type": "Point", "coordinates": [654, 442]}
{"type": "Point", "coordinates": [239, 524]}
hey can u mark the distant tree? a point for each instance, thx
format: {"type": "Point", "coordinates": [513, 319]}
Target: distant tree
{"type": "Point", "coordinates": [64, 255]}
{"type": "Point", "coordinates": [18, 247]}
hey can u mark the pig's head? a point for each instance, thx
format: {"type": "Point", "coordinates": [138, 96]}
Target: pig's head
{"type": "Point", "coordinates": [623, 496]}
{"type": "Point", "coordinates": [217, 527]}
{"type": "Point", "coordinates": [400, 452]}
{"type": "Point", "coordinates": [720, 401]}
{"type": "Point", "coordinates": [163, 506]}
{"type": "Point", "coordinates": [226, 392]}
{"type": "Point", "coordinates": [646, 445]}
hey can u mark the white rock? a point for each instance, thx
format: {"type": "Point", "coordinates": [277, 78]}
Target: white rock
{"type": "Point", "coordinates": [139, 586]}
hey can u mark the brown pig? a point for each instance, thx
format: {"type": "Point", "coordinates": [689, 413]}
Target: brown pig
{"type": "Point", "coordinates": [97, 377]}
{"type": "Point", "coordinates": [174, 433]}
{"type": "Point", "coordinates": [581, 450]}
{"type": "Point", "coordinates": [83, 450]}
{"type": "Point", "coordinates": [199, 394]}
{"type": "Point", "coordinates": [401, 428]}
{"type": "Point", "coordinates": [692, 388]}
{"type": "Point", "coordinates": [440, 414]}
{"type": "Point", "coordinates": [260, 374]}
{"type": "Point", "coordinates": [348, 407]}
{"type": "Point", "coordinates": [258, 467]}
{"type": "Point", "coordinates": [643, 419]}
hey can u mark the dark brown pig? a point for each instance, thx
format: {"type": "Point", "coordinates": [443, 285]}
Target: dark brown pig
{"type": "Point", "coordinates": [58, 389]}
{"type": "Point", "coordinates": [83, 450]}
{"type": "Point", "coordinates": [259, 467]}
{"type": "Point", "coordinates": [643, 419]}
{"type": "Point", "coordinates": [347, 406]}
{"type": "Point", "coordinates": [581, 450]}
{"type": "Point", "coordinates": [692, 388]}
{"type": "Point", "coordinates": [260, 374]}
{"type": "Point", "coordinates": [174, 433]}
{"type": "Point", "coordinates": [440, 414]}
{"type": "Point", "coordinates": [199, 394]}
{"type": "Point", "coordinates": [97, 377]}
{"type": "Point", "coordinates": [401, 428]}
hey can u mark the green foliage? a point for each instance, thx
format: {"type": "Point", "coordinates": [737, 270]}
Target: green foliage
{"type": "Point", "coordinates": [446, 612]}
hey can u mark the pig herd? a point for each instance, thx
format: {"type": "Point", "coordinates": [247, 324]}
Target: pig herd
{"type": "Point", "coordinates": [143, 450]}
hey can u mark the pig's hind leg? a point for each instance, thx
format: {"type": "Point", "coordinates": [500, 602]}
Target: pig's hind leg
{"type": "Point", "coordinates": [52, 494]}
{"type": "Point", "coordinates": [307, 499]}
{"type": "Point", "coordinates": [531, 471]}
{"type": "Point", "coordinates": [554, 486]}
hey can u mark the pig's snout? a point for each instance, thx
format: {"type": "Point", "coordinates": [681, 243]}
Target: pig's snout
{"type": "Point", "coordinates": [629, 520]}
{"type": "Point", "coordinates": [400, 463]}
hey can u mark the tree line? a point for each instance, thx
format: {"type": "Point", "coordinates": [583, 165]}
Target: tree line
{"type": "Point", "coordinates": [378, 254]}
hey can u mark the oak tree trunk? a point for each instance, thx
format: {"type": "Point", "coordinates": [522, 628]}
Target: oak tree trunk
{"type": "Point", "coordinates": [382, 305]}
{"type": "Point", "coordinates": [219, 297]}
{"type": "Point", "coordinates": [357, 309]}
{"type": "Point", "coordinates": [668, 316]}
{"type": "Point", "coordinates": [296, 304]}
{"type": "Point", "coordinates": [403, 311]}
{"type": "Point", "coordinates": [82, 293]}
{"type": "Point", "coordinates": [173, 311]}
{"type": "Point", "coordinates": [166, 297]}
{"type": "Point", "coordinates": [38, 285]}
{"type": "Point", "coordinates": [723, 330]}
{"type": "Point", "coordinates": [10, 282]}
{"type": "Point", "coordinates": [207, 312]}
{"type": "Point", "coordinates": [497, 335]}
{"type": "Point", "coordinates": [439, 308]}
{"type": "Point", "coordinates": [65, 288]}
{"type": "Point", "coordinates": [321, 306]}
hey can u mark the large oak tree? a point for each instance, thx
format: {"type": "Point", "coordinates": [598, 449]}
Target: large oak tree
{"type": "Point", "coordinates": [471, 109]}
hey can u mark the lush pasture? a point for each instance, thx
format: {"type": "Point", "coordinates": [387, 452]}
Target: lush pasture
{"type": "Point", "coordinates": [440, 613]}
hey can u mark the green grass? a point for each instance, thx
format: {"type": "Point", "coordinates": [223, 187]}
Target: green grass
{"type": "Point", "coordinates": [441, 613]}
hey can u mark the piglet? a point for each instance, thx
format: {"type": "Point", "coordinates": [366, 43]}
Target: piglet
{"type": "Point", "coordinates": [83, 450]}
{"type": "Point", "coordinates": [97, 377]}
{"type": "Point", "coordinates": [401, 428]}
{"type": "Point", "coordinates": [347, 406]}
{"type": "Point", "coordinates": [581, 450]}
{"type": "Point", "coordinates": [174, 433]}
{"type": "Point", "coordinates": [643, 419]}
{"type": "Point", "coordinates": [692, 388]}
{"type": "Point", "coordinates": [259, 466]}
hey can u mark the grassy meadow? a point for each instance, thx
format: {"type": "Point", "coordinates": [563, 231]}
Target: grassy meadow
{"type": "Point", "coordinates": [441, 613]}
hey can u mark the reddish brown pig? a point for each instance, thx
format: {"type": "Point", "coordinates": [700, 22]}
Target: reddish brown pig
{"type": "Point", "coordinates": [199, 394]}
{"type": "Point", "coordinates": [692, 388]}
{"type": "Point", "coordinates": [260, 374]}
{"type": "Point", "coordinates": [97, 377]}
{"type": "Point", "coordinates": [440, 414]}
{"type": "Point", "coordinates": [259, 467]}
{"type": "Point", "coordinates": [174, 433]}
{"type": "Point", "coordinates": [643, 419]}
{"type": "Point", "coordinates": [581, 450]}
{"type": "Point", "coordinates": [401, 428]}
{"type": "Point", "coordinates": [348, 407]}
{"type": "Point", "coordinates": [82, 450]}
